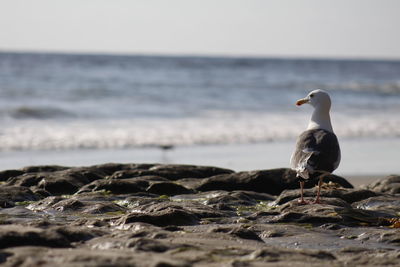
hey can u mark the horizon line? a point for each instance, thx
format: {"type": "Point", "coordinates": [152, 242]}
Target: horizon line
{"type": "Point", "coordinates": [198, 55]}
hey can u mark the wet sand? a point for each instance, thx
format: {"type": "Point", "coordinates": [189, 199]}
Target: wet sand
{"type": "Point", "coordinates": [359, 180]}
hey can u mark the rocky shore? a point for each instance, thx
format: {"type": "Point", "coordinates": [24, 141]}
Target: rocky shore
{"type": "Point", "coordinates": [181, 215]}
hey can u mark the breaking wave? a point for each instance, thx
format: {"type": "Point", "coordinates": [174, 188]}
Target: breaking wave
{"type": "Point", "coordinates": [183, 132]}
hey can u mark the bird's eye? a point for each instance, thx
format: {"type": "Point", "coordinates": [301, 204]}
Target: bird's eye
{"type": "Point", "coordinates": [311, 95]}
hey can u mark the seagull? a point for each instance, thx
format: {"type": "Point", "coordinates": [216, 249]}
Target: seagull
{"type": "Point", "coordinates": [317, 151]}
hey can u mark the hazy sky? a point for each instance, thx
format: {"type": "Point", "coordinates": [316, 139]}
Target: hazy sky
{"type": "Point", "coordinates": [327, 28]}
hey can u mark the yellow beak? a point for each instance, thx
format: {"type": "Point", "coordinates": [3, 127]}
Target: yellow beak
{"type": "Point", "coordinates": [301, 101]}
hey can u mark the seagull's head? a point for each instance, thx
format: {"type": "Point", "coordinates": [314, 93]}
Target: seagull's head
{"type": "Point", "coordinates": [317, 98]}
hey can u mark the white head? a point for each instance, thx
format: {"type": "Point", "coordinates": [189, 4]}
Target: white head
{"type": "Point", "coordinates": [319, 99]}
{"type": "Point", "coordinates": [321, 102]}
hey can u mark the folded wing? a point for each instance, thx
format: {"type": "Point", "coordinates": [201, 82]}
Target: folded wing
{"type": "Point", "coordinates": [316, 151]}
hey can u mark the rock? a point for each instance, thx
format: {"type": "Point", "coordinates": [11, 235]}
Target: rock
{"type": "Point", "coordinates": [134, 200]}
{"type": "Point", "coordinates": [69, 205]}
{"type": "Point", "coordinates": [237, 231]}
{"type": "Point", "coordinates": [7, 174]}
{"type": "Point", "coordinates": [121, 186]}
{"type": "Point", "coordinates": [45, 203]}
{"type": "Point", "coordinates": [103, 208]}
{"type": "Point", "coordinates": [45, 168]}
{"type": "Point", "coordinates": [370, 257]}
{"type": "Point", "coordinates": [90, 174]}
{"type": "Point", "coordinates": [163, 263]}
{"type": "Point", "coordinates": [390, 184]}
{"type": "Point", "coordinates": [94, 204]}
{"type": "Point", "coordinates": [4, 256]}
{"type": "Point", "coordinates": [354, 217]}
{"type": "Point", "coordinates": [167, 213]}
{"type": "Point", "coordinates": [26, 179]}
{"type": "Point", "coordinates": [172, 228]}
{"type": "Point", "coordinates": [388, 204]}
{"type": "Point", "coordinates": [166, 217]}
{"type": "Point", "coordinates": [175, 172]}
{"type": "Point", "coordinates": [346, 194]}
{"type": "Point", "coordinates": [167, 188]}
{"type": "Point", "coordinates": [332, 210]}
{"type": "Point", "coordinates": [190, 183]}
{"type": "Point", "coordinates": [60, 182]}
{"type": "Point", "coordinates": [60, 185]}
{"type": "Point", "coordinates": [78, 234]}
{"type": "Point", "coordinates": [388, 236]}
{"type": "Point", "coordinates": [227, 201]}
{"type": "Point", "coordinates": [170, 172]}
{"type": "Point", "coordinates": [152, 215]}
{"type": "Point", "coordinates": [269, 181]}
{"type": "Point", "coordinates": [11, 236]}
{"type": "Point", "coordinates": [253, 195]}
{"type": "Point", "coordinates": [113, 168]}
{"type": "Point", "coordinates": [131, 173]}
{"type": "Point", "coordinates": [152, 233]}
{"type": "Point", "coordinates": [55, 179]}
{"type": "Point", "coordinates": [354, 195]}
{"type": "Point", "coordinates": [314, 214]}
{"type": "Point", "coordinates": [245, 234]}
{"type": "Point", "coordinates": [9, 195]}
{"type": "Point", "coordinates": [37, 256]}
{"type": "Point", "coordinates": [239, 198]}
{"type": "Point", "coordinates": [18, 215]}
{"type": "Point", "coordinates": [331, 226]}
{"type": "Point", "coordinates": [151, 245]}
{"type": "Point", "coordinates": [231, 200]}
{"type": "Point", "coordinates": [392, 237]}
{"type": "Point", "coordinates": [87, 207]}
{"type": "Point", "coordinates": [197, 209]}
{"type": "Point", "coordinates": [266, 181]}
{"type": "Point", "coordinates": [42, 256]}
{"type": "Point", "coordinates": [40, 192]}
{"type": "Point", "coordinates": [274, 255]}
{"type": "Point", "coordinates": [115, 186]}
{"type": "Point", "coordinates": [143, 244]}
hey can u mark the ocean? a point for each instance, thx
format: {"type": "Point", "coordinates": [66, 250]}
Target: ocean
{"type": "Point", "coordinates": [62, 103]}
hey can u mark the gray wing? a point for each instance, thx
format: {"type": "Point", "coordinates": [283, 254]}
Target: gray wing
{"type": "Point", "coordinates": [316, 150]}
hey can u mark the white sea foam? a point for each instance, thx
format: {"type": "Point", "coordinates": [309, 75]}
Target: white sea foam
{"type": "Point", "coordinates": [232, 129]}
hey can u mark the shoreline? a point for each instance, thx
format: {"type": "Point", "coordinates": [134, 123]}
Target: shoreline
{"type": "Point", "coordinates": [358, 164]}
{"type": "Point", "coordinates": [360, 180]}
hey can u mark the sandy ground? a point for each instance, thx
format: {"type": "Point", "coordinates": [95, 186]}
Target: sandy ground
{"type": "Point", "coordinates": [358, 180]}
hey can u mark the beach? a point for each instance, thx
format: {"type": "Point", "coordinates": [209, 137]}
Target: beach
{"type": "Point", "coordinates": [238, 113]}
{"type": "Point", "coordinates": [128, 160]}
{"type": "Point", "coordinates": [362, 160]}
{"type": "Point", "coordinates": [199, 134]}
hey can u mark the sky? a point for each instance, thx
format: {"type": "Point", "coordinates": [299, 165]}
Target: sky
{"type": "Point", "coordinates": [277, 28]}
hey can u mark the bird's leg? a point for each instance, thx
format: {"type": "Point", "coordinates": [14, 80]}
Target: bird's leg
{"type": "Point", "coordinates": [317, 199]}
{"type": "Point", "coordinates": [301, 200]}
